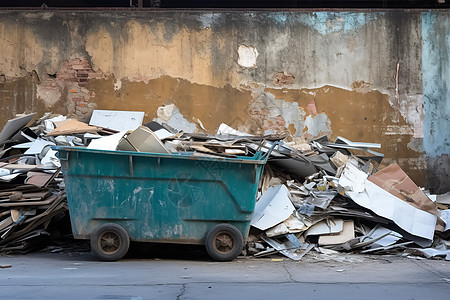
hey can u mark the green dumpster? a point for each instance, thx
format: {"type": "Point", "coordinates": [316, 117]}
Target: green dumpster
{"type": "Point", "coordinates": [118, 196]}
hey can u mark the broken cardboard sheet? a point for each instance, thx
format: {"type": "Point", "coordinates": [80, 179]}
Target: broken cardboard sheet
{"type": "Point", "coordinates": [347, 233]}
{"type": "Point", "coordinates": [14, 125]}
{"type": "Point", "coordinates": [272, 208]}
{"type": "Point", "coordinates": [394, 180]}
{"type": "Point", "coordinates": [73, 127]}
{"type": "Point", "coordinates": [117, 120]}
{"type": "Point", "coordinates": [142, 140]}
{"type": "Point", "coordinates": [41, 179]}
{"type": "Point", "coordinates": [415, 221]}
{"type": "Point", "coordinates": [109, 142]}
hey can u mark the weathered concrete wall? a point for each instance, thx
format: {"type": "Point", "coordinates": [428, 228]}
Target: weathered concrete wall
{"type": "Point", "coordinates": [436, 90]}
{"type": "Point", "coordinates": [367, 76]}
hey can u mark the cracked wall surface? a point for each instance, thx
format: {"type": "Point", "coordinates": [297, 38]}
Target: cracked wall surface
{"type": "Point", "coordinates": [368, 76]}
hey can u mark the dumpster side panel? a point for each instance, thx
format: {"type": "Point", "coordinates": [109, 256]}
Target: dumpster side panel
{"type": "Point", "coordinates": [159, 199]}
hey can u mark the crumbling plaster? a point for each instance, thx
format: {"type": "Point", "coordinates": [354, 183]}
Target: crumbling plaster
{"type": "Point", "coordinates": [355, 74]}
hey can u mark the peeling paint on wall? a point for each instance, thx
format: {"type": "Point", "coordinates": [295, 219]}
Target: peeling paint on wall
{"type": "Point", "coordinates": [317, 125]}
{"type": "Point", "coordinates": [272, 115]}
{"type": "Point", "coordinates": [259, 72]}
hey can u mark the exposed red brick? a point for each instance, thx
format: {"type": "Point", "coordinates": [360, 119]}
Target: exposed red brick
{"type": "Point", "coordinates": [282, 78]}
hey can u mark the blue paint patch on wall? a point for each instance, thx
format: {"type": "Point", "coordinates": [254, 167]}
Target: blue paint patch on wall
{"type": "Point", "coordinates": [436, 82]}
{"type": "Point", "coordinates": [328, 22]}
{"type": "Point", "coordinates": [208, 19]}
{"type": "Point", "coordinates": [280, 18]}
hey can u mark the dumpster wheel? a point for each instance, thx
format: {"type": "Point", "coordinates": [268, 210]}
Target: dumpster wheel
{"type": "Point", "coordinates": [110, 242]}
{"type": "Point", "coordinates": [224, 242]}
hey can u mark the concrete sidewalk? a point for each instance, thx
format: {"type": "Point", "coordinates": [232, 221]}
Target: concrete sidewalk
{"type": "Point", "coordinates": [345, 276]}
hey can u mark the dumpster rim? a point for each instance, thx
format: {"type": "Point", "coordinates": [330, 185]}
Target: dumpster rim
{"type": "Point", "coordinates": [239, 159]}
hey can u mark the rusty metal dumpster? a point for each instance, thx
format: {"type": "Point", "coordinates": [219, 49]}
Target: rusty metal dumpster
{"type": "Point", "coordinates": [118, 196]}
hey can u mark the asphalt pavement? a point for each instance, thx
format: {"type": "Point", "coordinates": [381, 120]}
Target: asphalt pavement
{"type": "Point", "coordinates": [181, 272]}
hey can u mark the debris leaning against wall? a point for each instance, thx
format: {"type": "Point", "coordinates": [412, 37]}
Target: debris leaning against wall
{"type": "Point", "coordinates": [314, 195]}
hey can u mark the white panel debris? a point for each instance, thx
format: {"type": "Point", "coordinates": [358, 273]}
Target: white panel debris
{"type": "Point", "coordinates": [109, 142]}
{"type": "Point", "coordinates": [247, 56]}
{"type": "Point", "coordinates": [272, 208]}
{"type": "Point", "coordinates": [117, 120]}
{"type": "Point", "coordinates": [415, 221]}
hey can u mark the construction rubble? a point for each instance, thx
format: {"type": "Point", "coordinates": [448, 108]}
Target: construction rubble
{"type": "Point", "coordinates": [314, 195]}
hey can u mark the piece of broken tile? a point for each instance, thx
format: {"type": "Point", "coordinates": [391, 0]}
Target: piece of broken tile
{"type": "Point", "coordinates": [272, 208]}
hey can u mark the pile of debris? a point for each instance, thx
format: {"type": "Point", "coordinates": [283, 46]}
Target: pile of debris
{"type": "Point", "coordinates": [314, 195]}
{"type": "Point", "coordinates": [31, 186]}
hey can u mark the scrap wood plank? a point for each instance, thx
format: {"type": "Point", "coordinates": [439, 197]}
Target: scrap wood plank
{"type": "Point", "coordinates": [60, 208]}
{"type": "Point", "coordinates": [41, 179]}
{"type": "Point", "coordinates": [28, 203]}
{"type": "Point", "coordinates": [21, 167]}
